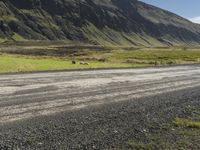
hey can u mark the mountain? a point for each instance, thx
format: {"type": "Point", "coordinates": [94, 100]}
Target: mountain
{"type": "Point", "coordinates": [105, 22]}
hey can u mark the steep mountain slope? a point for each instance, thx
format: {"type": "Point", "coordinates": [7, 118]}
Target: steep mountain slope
{"type": "Point", "coordinates": [106, 22]}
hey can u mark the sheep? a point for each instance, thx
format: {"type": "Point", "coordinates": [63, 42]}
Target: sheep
{"type": "Point", "coordinates": [84, 63]}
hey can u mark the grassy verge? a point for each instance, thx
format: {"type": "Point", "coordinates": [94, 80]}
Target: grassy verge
{"type": "Point", "coordinates": [37, 58]}
{"type": "Point", "coordinates": [178, 134]}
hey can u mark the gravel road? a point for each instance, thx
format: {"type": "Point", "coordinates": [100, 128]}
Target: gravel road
{"type": "Point", "coordinates": [94, 109]}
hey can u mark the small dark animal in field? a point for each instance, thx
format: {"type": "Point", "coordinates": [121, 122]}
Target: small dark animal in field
{"type": "Point", "coordinates": [102, 60]}
{"type": "Point", "coordinates": [84, 63]}
{"type": "Point", "coordinates": [73, 62]}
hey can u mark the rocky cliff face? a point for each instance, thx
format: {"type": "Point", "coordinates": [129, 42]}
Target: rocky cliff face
{"type": "Point", "coordinates": [116, 22]}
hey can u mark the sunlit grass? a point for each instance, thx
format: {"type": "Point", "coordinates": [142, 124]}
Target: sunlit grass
{"type": "Point", "coordinates": [17, 63]}
{"type": "Point", "coordinates": [187, 123]}
{"type": "Point", "coordinates": [98, 59]}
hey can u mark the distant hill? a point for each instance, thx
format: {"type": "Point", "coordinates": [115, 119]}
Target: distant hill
{"type": "Point", "coordinates": [105, 22]}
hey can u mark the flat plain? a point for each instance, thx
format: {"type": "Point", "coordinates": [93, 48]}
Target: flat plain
{"type": "Point", "coordinates": [27, 57]}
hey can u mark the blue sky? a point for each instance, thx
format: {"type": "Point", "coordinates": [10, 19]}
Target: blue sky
{"type": "Point", "coordinates": [189, 9]}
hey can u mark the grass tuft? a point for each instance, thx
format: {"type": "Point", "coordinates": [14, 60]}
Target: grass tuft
{"type": "Point", "coordinates": [186, 123]}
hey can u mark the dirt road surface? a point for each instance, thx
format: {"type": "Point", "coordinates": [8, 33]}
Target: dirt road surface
{"type": "Point", "coordinates": [94, 109]}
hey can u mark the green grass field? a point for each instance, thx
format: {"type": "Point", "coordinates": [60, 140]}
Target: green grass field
{"type": "Point", "coordinates": [152, 56]}
{"type": "Point", "coordinates": [98, 59]}
{"type": "Point", "coordinates": [18, 63]}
